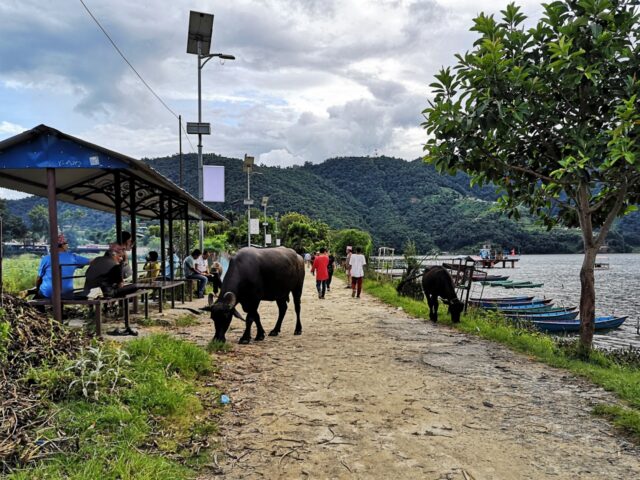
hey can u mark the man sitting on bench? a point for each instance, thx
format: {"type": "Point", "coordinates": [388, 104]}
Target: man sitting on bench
{"type": "Point", "coordinates": [69, 263]}
{"type": "Point", "coordinates": [106, 273]}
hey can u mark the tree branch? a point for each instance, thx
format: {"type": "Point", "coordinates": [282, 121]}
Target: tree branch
{"type": "Point", "coordinates": [604, 230]}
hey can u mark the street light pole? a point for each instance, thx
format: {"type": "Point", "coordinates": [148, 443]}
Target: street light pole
{"type": "Point", "coordinates": [198, 43]}
{"type": "Point", "coordinates": [247, 166]}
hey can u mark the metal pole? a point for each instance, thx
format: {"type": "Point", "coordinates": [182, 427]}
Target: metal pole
{"type": "Point", "coordinates": [275, 233]}
{"type": "Point", "coordinates": [180, 152]}
{"type": "Point", "coordinates": [200, 185]}
{"type": "Point", "coordinates": [248, 209]}
{"type": "Point", "coordinates": [162, 231]}
{"type": "Point", "coordinates": [265, 224]}
{"type": "Point", "coordinates": [171, 272]}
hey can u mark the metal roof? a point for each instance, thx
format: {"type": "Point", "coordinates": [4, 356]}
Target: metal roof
{"type": "Point", "coordinates": [87, 174]}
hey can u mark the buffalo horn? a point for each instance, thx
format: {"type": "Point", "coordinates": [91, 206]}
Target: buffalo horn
{"type": "Point", "coordinates": [230, 298]}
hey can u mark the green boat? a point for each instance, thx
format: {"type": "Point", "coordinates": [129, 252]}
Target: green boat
{"type": "Point", "coordinates": [524, 285]}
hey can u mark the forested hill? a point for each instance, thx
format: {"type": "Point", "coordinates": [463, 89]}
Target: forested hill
{"type": "Point", "coordinates": [393, 199]}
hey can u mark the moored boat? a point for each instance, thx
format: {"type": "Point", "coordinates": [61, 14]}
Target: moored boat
{"type": "Point", "coordinates": [536, 309]}
{"type": "Point", "coordinates": [524, 285]}
{"type": "Point", "coordinates": [510, 303]}
{"type": "Point", "coordinates": [502, 299]}
{"type": "Point", "coordinates": [542, 316]}
{"type": "Point", "coordinates": [601, 323]}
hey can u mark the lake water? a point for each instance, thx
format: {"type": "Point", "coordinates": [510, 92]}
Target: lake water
{"type": "Point", "coordinates": [616, 289]}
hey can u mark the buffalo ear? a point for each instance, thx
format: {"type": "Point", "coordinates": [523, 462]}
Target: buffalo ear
{"type": "Point", "coordinates": [237, 315]}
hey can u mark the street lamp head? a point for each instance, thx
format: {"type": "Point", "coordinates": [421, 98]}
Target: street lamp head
{"type": "Point", "coordinates": [265, 201]}
{"type": "Point", "coordinates": [224, 56]}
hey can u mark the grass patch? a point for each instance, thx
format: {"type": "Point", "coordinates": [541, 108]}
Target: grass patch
{"type": "Point", "coordinates": [615, 372]}
{"type": "Point", "coordinates": [215, 346]}
{"type": "Point", "coordinates": [186, 321]}
{"type": "Point", "coordinates": [146, 427]}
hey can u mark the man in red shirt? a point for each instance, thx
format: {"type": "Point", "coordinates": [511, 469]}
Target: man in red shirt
{"type": "Point", "coordinates": [321, 269]}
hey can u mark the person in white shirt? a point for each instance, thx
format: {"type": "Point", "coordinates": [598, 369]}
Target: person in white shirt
{"type": "Point", "coordinates": [356, 264]}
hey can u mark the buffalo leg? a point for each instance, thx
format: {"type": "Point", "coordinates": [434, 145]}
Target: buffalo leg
{"type": "Point", "coordinates": [296, 303]}
{"type": "Point", "coordinates": [252, 314]}
{"type": "Point", "coordinates": [282, 310]}
{"type": "Point", "coordinates": [433, 307]}
{"type": "Point", "coordinates": [260, 330]}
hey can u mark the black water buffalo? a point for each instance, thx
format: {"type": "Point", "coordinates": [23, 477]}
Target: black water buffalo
{"type": "Point", "coordinates": [255, 275]}
{"type": "Point", "coordinates": [436, 282]}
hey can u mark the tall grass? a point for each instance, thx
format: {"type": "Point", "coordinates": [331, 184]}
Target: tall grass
{"type": "Point", "coordinates": [145, 430]}
{"type": "Point", "coordinates": [19, 273]}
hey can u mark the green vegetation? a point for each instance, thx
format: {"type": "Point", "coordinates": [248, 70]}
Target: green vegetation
{"type": "Point", "coordinates": [392, 199]}
{"type": "Point", "coordinates": [133, 411]}
{"type": "Point", "coordinates": [604, 369]}
{"type": "Point", "coordinates": [550, 114]}
{"type": "Point", "coordinates": [19, 273]}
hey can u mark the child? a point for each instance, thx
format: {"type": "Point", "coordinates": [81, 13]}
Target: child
{"type": "Point", "coordinates": [152, 266]}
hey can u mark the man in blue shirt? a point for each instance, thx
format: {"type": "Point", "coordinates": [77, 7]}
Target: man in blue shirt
{"type": "Point", "coordinates": [68, 261]}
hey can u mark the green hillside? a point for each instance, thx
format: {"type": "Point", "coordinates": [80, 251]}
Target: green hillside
{"type": "Point", "coordinates": [393, 199]}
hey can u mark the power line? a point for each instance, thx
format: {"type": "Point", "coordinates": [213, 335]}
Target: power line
{"type": "Point", "coordinates": [125, 59]}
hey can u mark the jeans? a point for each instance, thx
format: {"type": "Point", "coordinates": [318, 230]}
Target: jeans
{"type": "Point", "coordinates": [321, 285]}
{"type": "Point", "coordinates": [356, 285]}
{"type": "Point", "coordinates": [202, 282]}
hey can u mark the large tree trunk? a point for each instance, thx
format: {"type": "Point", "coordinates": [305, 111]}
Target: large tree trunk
{"type": "Point", "coordinates": [587, 299]}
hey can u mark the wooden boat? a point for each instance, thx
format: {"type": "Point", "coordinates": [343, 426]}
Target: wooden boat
{"type": "Point", "coordinates": [535, 309]}
{"type": "Point", "coordinates": [542, 316]}
{"type": "Point", "coordinates": [602, 323]}
{"type": "Point", "coordinates": [510, 303]}
{"type": "Point", "coordinates": [524, 285]}
{"type": "Point", "coordinates": [489, 278]}
{"type": "Point", "coordinates": [501, 299]}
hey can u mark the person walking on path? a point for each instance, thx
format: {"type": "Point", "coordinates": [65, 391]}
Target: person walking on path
{"type": "Point", "coordinates": [347, 267]}
{"type": "Point", "coordinates": [330, 267]}
{"type": "Point", "coordinates": [357, 263]}
{"type": "Point", "coordinates": [320, 268]}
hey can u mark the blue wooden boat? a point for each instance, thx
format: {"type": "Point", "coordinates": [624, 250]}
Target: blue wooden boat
{"type": "Point", "coordinates": [502, 299]}
{"type": "Point", "coordinates": [542, 316]}
{"type": "Point", "coordinates": [602, 323]}
{"type": "Point", "coordinates": [507, 304]}
{"type": "Point", "coordinates": [525, 309]}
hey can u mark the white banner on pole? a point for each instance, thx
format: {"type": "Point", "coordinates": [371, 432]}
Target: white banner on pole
{"type": "Point", "coordinates": [213, 183]}
{"type": "Point", "coordinates": [268, 239]}
{"type": "Point", "coordinates": [254, 226]}
{"type": "Point", "coordinates": [277, 242]}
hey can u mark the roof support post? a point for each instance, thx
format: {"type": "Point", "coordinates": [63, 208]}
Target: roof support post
{"type": "Point", "coordinates": [186, 231]}
{"type": "Point", "coordinates": [56, 274]}
{"type": "Point", "coordinates": [134, 247]}
{"type": "Point", "coordinates": [118, 205]}
{"type": "Point", "coordinates": [171, 272]}
{"type": "Point", "coordinates": [162, 231]}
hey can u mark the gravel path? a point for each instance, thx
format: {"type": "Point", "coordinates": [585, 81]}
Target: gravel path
{"type": "Point", "coordinates": [368, 392]}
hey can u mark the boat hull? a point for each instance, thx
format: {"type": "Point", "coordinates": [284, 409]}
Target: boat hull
{"type": "Point", "coordinates": [602, 323]}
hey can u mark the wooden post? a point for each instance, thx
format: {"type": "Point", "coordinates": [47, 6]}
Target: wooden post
{"type": "Point", "coordinates": [134, 248]}
{"type": "Point", "coordinates": [118, 197]}
{"type": "Point", "coordinates": [162, 229]}
{"type": "Point", "coordinates": [171, 272]}
{"type": "Point", "coordinates": [56, 274]}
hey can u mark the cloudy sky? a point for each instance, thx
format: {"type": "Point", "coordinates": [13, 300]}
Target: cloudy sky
{"type": "Point", "coordinates": [312, 79]}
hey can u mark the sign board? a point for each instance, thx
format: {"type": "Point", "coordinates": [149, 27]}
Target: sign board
{"type": "Point", "coordinates": [267, 239]}
{"type": "Point", "coordinates": [277, 242]}
{"type": "Point", "coordinates": [213, 183]}
{"type": "Point", "coordinates": [248, 202]}
{"type": "Point", "coordinates": [254, 226]}
{"type": "Point", "coordinates": [194, 128]}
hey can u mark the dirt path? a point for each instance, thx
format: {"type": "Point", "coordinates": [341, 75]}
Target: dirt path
{"type": "Point", "coordinates": [368, 392]}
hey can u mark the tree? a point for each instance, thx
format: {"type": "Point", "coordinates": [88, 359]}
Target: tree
{"type": "Point", "coordinates": [354, 238]}
{"type": "Point", "coordinates": [39, 217]}
{"type": "Point", "coordinates": [551, 116]}
{"type": "Point", "coordinates": [302, 233]}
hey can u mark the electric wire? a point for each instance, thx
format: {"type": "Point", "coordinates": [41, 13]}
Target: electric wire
{"type": "Point", "coordinates": [135, 71]}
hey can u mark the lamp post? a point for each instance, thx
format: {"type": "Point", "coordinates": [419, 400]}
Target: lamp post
{"type": "Point", "coordinates": [265, 202]}
{"type": "Point", "coordinates": [247, 166]}
{"type": "Point", "coordinates": [199, 43]}
{"type": "Point", "coordinates": [276, 241]}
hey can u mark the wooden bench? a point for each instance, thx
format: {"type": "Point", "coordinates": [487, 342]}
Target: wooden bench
{"type": "Point", "coordinates": [161, 285]}
{"type": "Point", "coordinates": [98, 302]}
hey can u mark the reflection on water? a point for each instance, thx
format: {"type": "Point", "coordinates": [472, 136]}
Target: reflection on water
{"type": "Point", "coordinates": [616, 289]}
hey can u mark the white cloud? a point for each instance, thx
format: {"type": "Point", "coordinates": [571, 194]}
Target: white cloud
{"type": "Point", "coordinates": [312, 79]}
